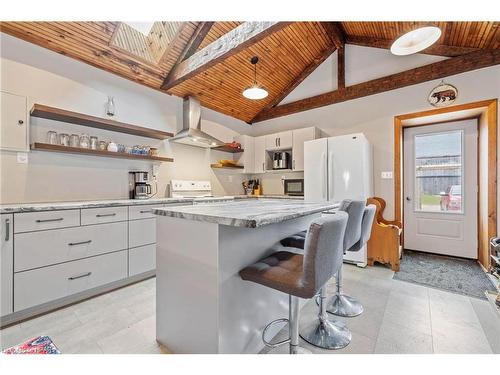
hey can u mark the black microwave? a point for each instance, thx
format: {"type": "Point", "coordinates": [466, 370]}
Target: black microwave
{"type": "Point", "coordinates": [294, 186]}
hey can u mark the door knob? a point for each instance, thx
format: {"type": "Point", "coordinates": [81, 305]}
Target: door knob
{"type": "Point", "coordinates": [408, 199]}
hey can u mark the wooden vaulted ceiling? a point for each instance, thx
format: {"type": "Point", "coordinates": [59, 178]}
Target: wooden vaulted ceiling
{"type": "Point", "coordinates": [211, 60]}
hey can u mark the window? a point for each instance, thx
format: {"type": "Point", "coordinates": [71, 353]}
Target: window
{"type": "Point", "coordinates": [439, 172]}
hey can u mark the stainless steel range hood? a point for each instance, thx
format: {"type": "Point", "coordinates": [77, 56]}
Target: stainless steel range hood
{"type": "Point", "coordinates": [191, 133]}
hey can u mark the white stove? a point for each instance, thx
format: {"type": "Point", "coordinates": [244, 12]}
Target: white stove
{"type": "Point", "coordinates": [190, 189]}
{"type": "Point", "coordinates": [200, 191]}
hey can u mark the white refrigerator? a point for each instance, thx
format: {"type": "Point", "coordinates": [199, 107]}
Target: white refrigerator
{"type": "Point", "coordinates": [338, 168]}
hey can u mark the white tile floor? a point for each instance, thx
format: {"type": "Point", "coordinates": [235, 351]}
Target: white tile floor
{"type": "Point", "coordinates": [399, 318]}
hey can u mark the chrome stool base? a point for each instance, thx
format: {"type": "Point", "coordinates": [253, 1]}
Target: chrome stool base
{"type": "Point", "coordinates": [327, 334]}
{"type": "Point", "coordinates": [323, 332]}
{"type": "Point", "coordinates": [342, 305]}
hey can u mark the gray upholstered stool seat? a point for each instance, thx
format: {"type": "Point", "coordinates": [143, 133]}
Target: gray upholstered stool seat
{"type": "Point", "coordinates": [281, 271]}
{"type": "Point", "coordinates": [302, 275]}
{"type": "Point", "coordinates": [358, 228]}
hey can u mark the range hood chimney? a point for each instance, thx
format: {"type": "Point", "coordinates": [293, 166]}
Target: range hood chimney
{"type": "Point", "coordinates": [191, 133]}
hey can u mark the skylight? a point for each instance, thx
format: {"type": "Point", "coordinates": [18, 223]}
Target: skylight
{"type": "Point", "coordinates": [143, 27]}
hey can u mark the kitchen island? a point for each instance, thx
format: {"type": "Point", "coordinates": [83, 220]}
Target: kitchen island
{"type": "Point", "coordinates": [202, 305]}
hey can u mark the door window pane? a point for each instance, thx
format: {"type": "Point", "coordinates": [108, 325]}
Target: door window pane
{"type": "Point", "coordinates": [438, 172]}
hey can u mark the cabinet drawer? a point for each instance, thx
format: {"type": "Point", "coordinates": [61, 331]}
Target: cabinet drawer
{"type": "Point", "coordinates": [6, 263]}
{"type": "Point", "coordinates": [38, 249]}
{"type": "Point", "coordinates": [141, 259]}
{"type": "Point", "coordinates": [31, 221]}
{"type": "Point", "coordinates": [103, 215]}
{"type": "Point", "coordinates": [142, 211]}
{"type": "Point", "coordinates": [49, 283]}
{"type": "Point", "coordinates": [141, 232]}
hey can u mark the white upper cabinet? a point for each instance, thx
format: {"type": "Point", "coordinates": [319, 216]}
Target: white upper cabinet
{"type": "Point", "coordinates": [260, 154]}
{"type": "Point", "coordinates": [13, 122]}
{"type": "Point", "coordinates": [279, 141]}
{"type": "Point", "coordinates": [299, 137]}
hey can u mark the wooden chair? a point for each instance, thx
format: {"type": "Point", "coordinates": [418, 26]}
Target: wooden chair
{"type": "Point", "coordinates": [384, 245]}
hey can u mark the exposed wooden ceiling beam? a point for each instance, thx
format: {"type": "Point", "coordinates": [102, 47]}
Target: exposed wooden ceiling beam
{"type": "Point", "coordinates": [341, 68]}
{"type": "Point", "coordinates": [335, 33]}
{"type": "Point", "coordinates": [198, 37]}
{"type": "Point", "coordinates": [296, 81]}
{"type": "Point", "coordinates": [437, 70]}
{"type": "Point", "coordinates": [436, 49]}
{"type": "Point", "coordinates": [228, 45]}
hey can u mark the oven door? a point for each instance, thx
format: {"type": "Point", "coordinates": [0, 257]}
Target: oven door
{"type": "Point", "coordinates": [294, 187]}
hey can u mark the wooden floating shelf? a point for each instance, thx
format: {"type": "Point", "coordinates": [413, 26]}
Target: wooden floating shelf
{"type": "Point", "coordinates": [86, 151]}
{"type": "Point", "coordinates": [58, 114]}
{"type": "Point", "coordinates": [231, 150]}
{"type": "Point", "coordinates": [219, 166]}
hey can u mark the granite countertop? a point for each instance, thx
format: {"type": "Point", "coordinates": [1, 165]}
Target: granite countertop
{"type": "Point", "coordinates": [246, 213]}
{"type": "Point", "coordinates": [51, 206]}
{"type": "Point", "coordinates": [32, 207]}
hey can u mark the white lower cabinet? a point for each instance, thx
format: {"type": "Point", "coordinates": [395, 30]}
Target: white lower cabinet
{"type": "Point", "coordinates": [6, 263]}
{"type": "Point", "coordinates": [141, 232]}
{"type": "Point", "coordinates": [39, 249]}
{"type": "Point", "coordinates": [45, 284]}
{"type": "Point", "coordinates": [46, 256]}
{"type": "Point", "coordinates": [141, 259]}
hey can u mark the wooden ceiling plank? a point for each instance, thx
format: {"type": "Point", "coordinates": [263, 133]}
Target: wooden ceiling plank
{"type": "Point", "coordinates": [438, 70]}
{"type": "Point", "coordinates": [48, 39]}
{"type": "Point", "coordinates": [68, 34]}
{"type": "Point", "coordinates": [229, 44]}
{"type": "Point", "coordinates": [298, 80]}
{"type": "Point", "coordinates": [439, 50]}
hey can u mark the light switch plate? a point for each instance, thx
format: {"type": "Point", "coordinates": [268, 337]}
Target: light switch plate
{"type": "Point", "coordinates": [387, 175]}
{"type": "Point", "coordinates": [22, 157]}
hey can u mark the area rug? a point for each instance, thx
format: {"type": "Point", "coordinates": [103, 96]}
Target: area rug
{"type": "Point", "coordinates": [457, 275]}
{"type": "Point", "coordinates": [37, 345]}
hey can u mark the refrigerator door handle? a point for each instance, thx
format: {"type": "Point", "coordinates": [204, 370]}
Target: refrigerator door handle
{"type": "Point", "coordinates": [323, 171]}
{"type": "Point", "coordinates": [330, 176]}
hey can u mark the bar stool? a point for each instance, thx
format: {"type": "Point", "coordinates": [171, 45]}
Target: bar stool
{"type": "Point", "coordinates": [301, 275]}
{"type": "Point", "coordinates": [342, 304]}
{"type": "Point", "coordinates": [323, 331]}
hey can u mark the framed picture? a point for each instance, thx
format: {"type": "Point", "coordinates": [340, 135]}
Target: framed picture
{"type": "Point", "coordinates": [442, 95]}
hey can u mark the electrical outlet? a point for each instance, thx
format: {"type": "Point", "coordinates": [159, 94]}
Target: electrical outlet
{"type": "Point", "coordinates": [386, 175]}
{"type": "Point", "coordinates": [156, 170]}
{"type": "Point", "coordinates": [22, 157]}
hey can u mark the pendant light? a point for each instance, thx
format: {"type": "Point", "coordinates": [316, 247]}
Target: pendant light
{"type": "Point", "coordinates": [255, 91]}
{"type": "Point", "coordinates": [416, 40]}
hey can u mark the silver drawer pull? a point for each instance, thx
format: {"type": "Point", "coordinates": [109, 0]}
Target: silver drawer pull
{"type": "Point", "coordinates": [49, 220]}
{"type": "Point", "coordinates": [87, 274]}
{"type": "Point", "coordinates": [146, 211]}
{"type": "Point", "coordinates": [7, 230]}
{"type": "Point", "coordinates": [79, 243]}
{"type": "Point", "coordinates": [105, 215]}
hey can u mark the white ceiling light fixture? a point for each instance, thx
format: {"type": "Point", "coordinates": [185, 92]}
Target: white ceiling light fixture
{"type": "Point", "coordinates": [255, 92]}
{"type": "Point", "coordinates": [143, 27]}
{"type": "Point", "coordinates": [416, 40]}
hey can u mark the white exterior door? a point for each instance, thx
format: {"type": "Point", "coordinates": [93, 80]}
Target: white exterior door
{"type": "Point", "coordinates": [440, 188]}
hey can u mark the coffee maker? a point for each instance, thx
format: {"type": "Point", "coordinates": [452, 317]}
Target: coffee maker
{"type": "Point", "coordinates": [139, 187]}
{"type": "Point", "coordinates": [281, 160]}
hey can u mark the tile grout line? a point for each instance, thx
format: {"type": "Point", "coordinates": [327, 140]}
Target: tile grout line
{"type": "Point", "coordinates": [430, 318]}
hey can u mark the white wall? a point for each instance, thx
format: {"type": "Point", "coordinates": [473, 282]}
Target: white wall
{"type": "Point", "coordinates": [48, 78]}
{"type": "Point", "coordinates": [374, 115]}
